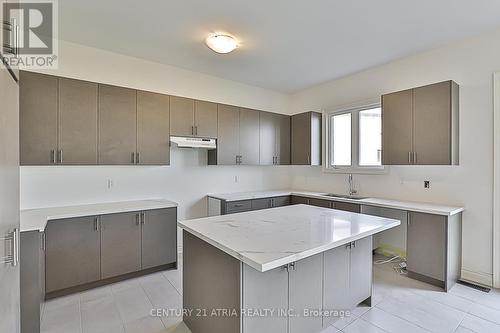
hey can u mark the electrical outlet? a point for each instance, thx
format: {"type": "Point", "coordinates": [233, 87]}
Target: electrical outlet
{"type": "Point", "coordinates": [110, 183]}
{"type": "Point", "coordinates": [235, 179]}
{"type": "Point", "coordinates": [427, 184]}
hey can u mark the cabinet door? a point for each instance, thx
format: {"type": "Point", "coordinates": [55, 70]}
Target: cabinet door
{"type": "Point", "coordinates": [397, 126]}
{"type": "Point", "coordinates": [296, 200]}
{"type": "Point", "coordinates": [205, 119]}
{"type": "Point", "coordinates": [301, 139]}
{"type": "Point", "coordinates": [153, 127]}
{"type": "Point", "coordinates": [30, 280]}
{"type": "Point", "coordinates": [321, 203]}
{"type": "Point", "coordinates": [305, 292]}
{"type": "Point", "coordinates": [283, 139]}
{"type": "Point", "coordinates": [432, 124]}
{"type": "Point", "coordinates": [249, 137]}
{"type": "Point", "coordinates": [426, 245]}
{"type": "Point", "coordinates": [37, 118]}
{"type": "Point", "coordinates": [238, 206]}
{"type": "Point", "coordinates": [117, 125]}
{"type": "Point", "coordinates": [281, 201]}
{"type": "Point", "coordinates": [181, 116]}
{"type": "Point", "coordinates": [347, 206]}
{"type": "Point", "coordinates": [159, 237]}
{"type": "Point", "coordinates": [361, 271]}
{"type": "Point", "coordinates": [228, 134]}
{"type": "Point", "coordinates": [256, 295]}
{"type": "Point", "coordinates": [267, 134]}
{"type": "Point", "coordinates": [120, 244]}
{"type": "Point", "coordinates": [336, 294]}
{"type": "Point", "coordinates": [258, 204]}
{"type": "Point", "coordinates": [72, 255]}
{"type": "Point", "coordinates": [77, 122]}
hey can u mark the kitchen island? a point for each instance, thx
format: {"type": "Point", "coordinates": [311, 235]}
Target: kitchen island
{"type": "Point", "coordinates": [287, 269]}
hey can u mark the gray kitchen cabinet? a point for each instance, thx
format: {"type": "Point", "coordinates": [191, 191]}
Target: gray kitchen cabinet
{"type": "Point", "coordinates": [238, 206]}
{"type": "Point", "coordinates": [426, 250]}
{"type": "Point", "coordinates": [181, 116]}
{"type": "Point", "coordinates": [360, 275]}
{"type": "Point", "coordinates": [255, 286]}
{"type": "Point", "coordinates": [228, 136]}
{"type": "Point", "coordinates": [336, 284]}
{"type": "Point", "coordinates": [32, 270]}
{"type": "Point", "coordinates": [346, 281]}
{"type": "Point", "coordinates": [264, 203]}
{"type": "Point", "coordinates": [305, 292]}
{"type": "Point", "coordinates": [435, 124]}
{"type": "Point", "coordinates": [274, 131]}
{"type": "Point", "coordinates": [117, 125]}
{"type": "Point", "coordinates": [296, 200]}
{"type": "Point", "coordinates": [72, 253]}
{"type": "Point", "coordinates": [420, 125]}
{"type": "Point", "coordinates": [153, 129]}
{"type": "Point", "coordinates": [347, 206]}
{"type": "Point", "coordinates": [205, 119]}
{"type": "Point", "coordinates": [249, 137]}
{"type": "Point", "coordinates": [159, 237]}
{"type": "Point", "coordinates": [397, 128]}
{"type": "Point", "coordinates": [320, 203]}
{"type": "Point", "coordinates": [120, 244]}
{"type": "Point", "coordinates": [306, 138]}
{"type": "Point", "coordinates": [38, 94]}
{"type": "Point", "coordinates": [77, 122]}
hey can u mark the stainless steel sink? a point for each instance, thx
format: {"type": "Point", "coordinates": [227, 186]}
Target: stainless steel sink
{"type": "Point", "coordinates": [344, 196]}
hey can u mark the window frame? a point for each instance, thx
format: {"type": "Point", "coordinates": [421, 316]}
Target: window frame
{"type": "Point", "coordinates": [355, 142]}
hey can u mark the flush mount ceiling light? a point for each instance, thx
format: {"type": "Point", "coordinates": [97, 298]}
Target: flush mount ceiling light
{"type": "Point", "coordinates": [221, 43]}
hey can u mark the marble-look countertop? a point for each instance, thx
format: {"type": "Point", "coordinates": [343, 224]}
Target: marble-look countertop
{"type": "Point", "coordinates": [36, 219]}
{"type": "Point", "coordinates": [269, 238]}
{"type": "Point", "coordinates": [421, 207]}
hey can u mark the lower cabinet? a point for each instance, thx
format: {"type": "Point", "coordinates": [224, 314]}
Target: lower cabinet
{"type": "Point", "coordinates": [296, 200]}
{"type": "Point", "coordinates": [73, 255]}
{"type": "Point", "coordinates": [270, 202]}
{"type": "Point", "coordinates": [295, 286]}
{"type": "Point", "coordinates": [231, 207]}
{"type": "Point", "coordinates": [320, 203]}
{"type": "Point", "coordinates": [347, 206]}
{"type": "Point", "coordinates": [120, 244]}
{"type": "Point", "coordinates": [83, 250]}
{"type": "Point", "coordinates": [347, 274]}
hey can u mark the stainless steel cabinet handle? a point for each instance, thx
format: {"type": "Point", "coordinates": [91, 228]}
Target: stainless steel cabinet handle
{"type": "Point", "coordinates": [138, 219]}
{"type": "Point", "coordinates": [192, 130]}
{"type": "Point", "coordinates": [292, 266]}
{"type": "Point", "coordinates": [143, 219]}
{"type": "Point", "coordinates": [308, 159]}
{"type": "Point", "coordinates": [132, 160]}
{"type": "Point", "coordinates": [60, 155]}
{"type": "Point", "coordinates": [138, 158]}
{"type": "Point", "coordinates": [414, 157]}
{"type": "Point", "coordinates": [409, 157]}
{"type": "Point", "coordinates": [43, 241]}
{"type": "Point", "coordinates": [13, 239]}
{"type": "Point", "coordinates": [96, 224]}
{"type": "Point", "coordinates": [52, 156]}
{"type": "Point", "coordinates": [196, 130]}
{"type": "Point", "coordinates": [238, 205]}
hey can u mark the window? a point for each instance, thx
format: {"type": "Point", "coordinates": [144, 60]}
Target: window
{"type": "Point", "coordinates": [355, 140]}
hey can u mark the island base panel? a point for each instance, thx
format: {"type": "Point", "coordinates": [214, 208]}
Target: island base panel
{"type": "Point", "coordinates": [211, 282]}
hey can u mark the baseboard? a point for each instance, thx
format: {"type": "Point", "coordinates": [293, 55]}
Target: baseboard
{"type": "Point", "coordinates": [482, 278]}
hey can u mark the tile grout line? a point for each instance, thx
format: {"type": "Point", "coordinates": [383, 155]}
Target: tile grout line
{"type": "Point", "coordinates": [425, 329]}
{"type": "Point", "coordinates": [151, 302]}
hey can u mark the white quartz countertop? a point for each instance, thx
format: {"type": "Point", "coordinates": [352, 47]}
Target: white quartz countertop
{"type": "Point", "coordinates": [421, 207]}
{"type": "Point", "coordinates": [269, 238]}
{"type": "Point", "coordinates": [36, 219]}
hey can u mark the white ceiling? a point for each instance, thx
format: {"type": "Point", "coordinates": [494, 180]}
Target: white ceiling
{"type": "Point", "coordinates": [287, 45]}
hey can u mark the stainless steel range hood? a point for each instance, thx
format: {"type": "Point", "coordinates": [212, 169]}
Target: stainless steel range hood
{"type": "Point", "coordinates": [187, 142]}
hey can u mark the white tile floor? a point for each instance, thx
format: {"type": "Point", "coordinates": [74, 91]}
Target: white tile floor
{"type": "Point", "coordinates": [400, 304]}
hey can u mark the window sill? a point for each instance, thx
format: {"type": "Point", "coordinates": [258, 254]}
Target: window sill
{"type": "Point", "coordinates": [360, 170]}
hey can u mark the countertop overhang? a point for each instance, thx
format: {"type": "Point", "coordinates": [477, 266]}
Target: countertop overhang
{"type": "Point", "coordinates": [269, 238]}
{"type": "Point", "coordinates": [36, 219]}
{"type": "Point", "coordinates": [420, 207]}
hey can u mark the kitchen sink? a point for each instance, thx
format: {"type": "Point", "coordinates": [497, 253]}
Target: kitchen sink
{"type": "Point", "coordinates": [344, 196]}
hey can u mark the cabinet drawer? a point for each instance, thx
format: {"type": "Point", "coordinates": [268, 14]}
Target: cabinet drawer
{"type": "Point", "coordinates": [281, 201]}
{"type": "Point", "coordinates": [296, 200]}
{"type": "Point", "coordinates": [350, 207]}
{"type": "Point", "coordinates": [321, 203]}
{"type": "Point", "coordinates": [238, 206]}
{"type": "Point", "coordinates": [261, 203]}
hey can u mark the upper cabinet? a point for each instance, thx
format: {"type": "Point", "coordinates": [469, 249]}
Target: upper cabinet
{"type": "Point", "coordinates": [274, 133]}
{"type": "Point", "coordinates": [249, 137]}
{"type": "Point", "coordinates": [420, 126]}
{"type": "Point", "coordinates": [153, 129]}
{"type": "Point", "coordinates": [38, 118]}
{"type": "Point", "coordinates": [306, 138]}
{"type": "Point", "coordinates": [228, 136]}
{"type": "Point", "coordinates": [192, 118]}
{"type": "Point", "coordinates": [117, 125]}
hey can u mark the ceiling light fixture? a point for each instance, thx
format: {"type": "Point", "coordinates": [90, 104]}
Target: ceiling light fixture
{"type": "Point", "coordinates": [221, 43]}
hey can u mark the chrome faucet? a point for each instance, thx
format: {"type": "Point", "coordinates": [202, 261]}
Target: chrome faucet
{"type": "Point", "coordinates": [352, 190]}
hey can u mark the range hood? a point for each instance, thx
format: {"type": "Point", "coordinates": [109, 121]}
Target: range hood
{"type": "Point", "coordinates": [187, 142]}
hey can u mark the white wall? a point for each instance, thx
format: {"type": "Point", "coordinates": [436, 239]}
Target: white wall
{"type": "Point", "coordinates": [470, 63]}
{"type": "Point", "coordinates": [188, 179]}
